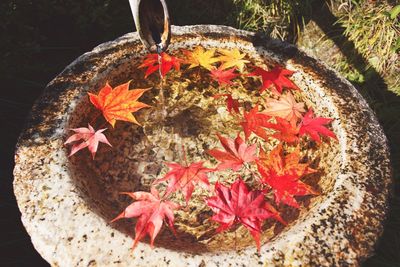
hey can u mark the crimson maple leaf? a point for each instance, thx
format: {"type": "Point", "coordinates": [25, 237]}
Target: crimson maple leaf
{"type": "Point", "coordinates": [231, 103]}
{"type": "Point", "coordinates": [184, 178]}
{"type": "Point", "coordinates": [90, 139]}
{"type": "Point", "coordinates": [285, 131]}
{"type": "Point", "coordinates": [118, 103]}
{"type": "Point", "coordinates": [277, 77]}
{"type": "Point", "coordinates": [162, 62]}
{"type": "Point", "coordinates": [276, 162]}
{"type": "Point", "coordinates": [235, 155]}
{"type": "Point", "coordinates": [314, 126]}
{"type": "Point", "coordinates": [237, 205]}
{"type": "Point", "coordinates": [285, 186]}
{"type": "Point", "coordinates": [151, 211]}
{"type": "Point", "coordinates": [254, 122]}
{"type": "Point", "coordinates": [223, 76]}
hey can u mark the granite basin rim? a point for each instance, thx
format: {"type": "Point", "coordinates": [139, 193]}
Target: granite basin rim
{"type": "Point", "coordinates": [341, 230]}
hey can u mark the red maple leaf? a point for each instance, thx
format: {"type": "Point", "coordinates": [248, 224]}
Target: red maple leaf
{"type": "Point", "coordinates": [153, 61]}
{"type": "Point", "coordinates": [277, 77]}
{"type": "Point", "coordinates": [151, 211]}
{"type": "Point", "coordinates": [314, 126]}
{"type": "Point", "coordinates": [237, 205]}
{"type": "Point", "coordinates": [285, 131]}
{"type": "Point", "coordinates": [285, 186]}
{"type": "Point", "coordinates": [185, 178]}
{"type": "Point", "coordinates": [90, 139]}
{"type": "Point", "coordinates": [254, 122]}
{"type": "Point", "coordinates": [235, 155]}
{"type": "Point", "coordinates": [223, 76]}
{"type": "Point", "coordinates": [231, 103]}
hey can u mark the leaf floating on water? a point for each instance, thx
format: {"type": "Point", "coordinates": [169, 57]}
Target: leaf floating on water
{"type": "Point", "coordinates": [90, 139]}
{"type": "Point", "coordinates": [276, 77]}
{"type": "Point", "coordinates": [232, 58]}
{"type": "Point", "coordinates": [200, 57]}
{"type": "Point", "coordinates": [163, 63]}
{"type": "Point", "coordinates": [118, 103]}
{"type": "Point", "coordinates": [239, 205]}
{"type": "Point", "coordinates": [286, 107]}
{"type": "Point", "coordinates": [315, 126]}
{"type": "Point", "coordinates": [152, 211]}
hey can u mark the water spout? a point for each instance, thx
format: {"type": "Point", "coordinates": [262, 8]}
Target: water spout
{"type": "Point", "coordinates": [152, 23]}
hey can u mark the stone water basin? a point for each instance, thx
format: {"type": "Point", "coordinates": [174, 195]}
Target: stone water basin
{"type": "Point", "coordinates": [66, 203]}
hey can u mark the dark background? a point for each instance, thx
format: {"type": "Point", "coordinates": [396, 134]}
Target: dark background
{"type": "Point", "coordinates": [39, 38]}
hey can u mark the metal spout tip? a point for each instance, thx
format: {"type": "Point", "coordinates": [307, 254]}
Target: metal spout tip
{"type": "Point", "coordinates": [152, 23]}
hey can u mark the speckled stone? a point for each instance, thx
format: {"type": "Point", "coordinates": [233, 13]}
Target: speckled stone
{"type": "Point", "coordinates": [67, 219]}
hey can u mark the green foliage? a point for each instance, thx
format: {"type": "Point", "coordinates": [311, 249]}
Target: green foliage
{"type": "Point", "coordinates": [374, 27]}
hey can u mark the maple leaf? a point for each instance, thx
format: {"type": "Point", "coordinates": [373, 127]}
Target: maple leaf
{"type": "Point", "coordinates": [254, 122]}
{"type": "Point", "coordinates": [285, 187]}
{"type": "Point", "coordinates": [276, 162]}
{"type": "Point", "coordinates": [231, 103]}
{"type": "Point", "coordinates": [314, 126]}
{"type": "Point", "coordinates": [90, 139]}
{"type": "Point", "coordinates": [237, 205]}
{"type": "Point", "coordinates": [223, 76]}
{"type": "Point", "coordinates": [184, 178]}
{"type": "Point", "coordinates": [235, 155]}
{"type": "Point", "coordinates": [285, 131]}
{"type": "Point", "coordinates": [163, 62]}
{"type": "Point", "coordinates": [286, 107]}
{"type": "Point", "coordinates": [151, 211]}
{"type": "Point", "coordinates": [200, 57]}
{"type": "Point", "coordinates": [232, 58]}
{"type": "Point", "coordinates": [118, 103]}
{"type": "Point", "coordinates": [277, 77]}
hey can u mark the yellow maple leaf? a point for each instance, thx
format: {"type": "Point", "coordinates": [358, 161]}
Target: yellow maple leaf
{"type": "Point", "coordinates": [232, 58]}
{"type": "Point", "coordinates": [200, 57]}
{"type": "Point", "coordinates": [118, 103]}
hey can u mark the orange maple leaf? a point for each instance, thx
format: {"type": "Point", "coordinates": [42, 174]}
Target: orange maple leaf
{"type": "Point", "coordinates": [275, 161]}
{"type": "Point", "coordinates": [118, 103]}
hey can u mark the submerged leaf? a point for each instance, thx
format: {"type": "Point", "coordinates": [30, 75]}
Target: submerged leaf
{"type": "Point", "coordinates": [231, 103]}
{"type": "Point", "coordinates": [185, 178]}
{"type": "Point", "coordinates": [255, 122]}
{"type": "Point", "coordinates": [235, 155]}
{"type": "Point", "coordinates": [223, 76]}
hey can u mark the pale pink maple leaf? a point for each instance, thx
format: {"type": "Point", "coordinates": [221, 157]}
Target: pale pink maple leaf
{"type": "Point", "coordinates": [90, 139]}
{"type": "Point", "coordinates": [152, 211]}
{"type": "Point", "coordinates": [286, 107]}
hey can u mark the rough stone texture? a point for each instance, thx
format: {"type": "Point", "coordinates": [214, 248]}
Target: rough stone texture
{"type": "Point", "coordinates": [68, 227]}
